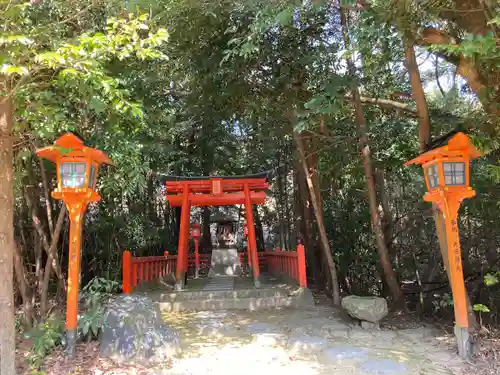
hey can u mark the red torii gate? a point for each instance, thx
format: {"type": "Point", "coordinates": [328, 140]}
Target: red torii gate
{"type": "Point", "coordinates": [215, 191]}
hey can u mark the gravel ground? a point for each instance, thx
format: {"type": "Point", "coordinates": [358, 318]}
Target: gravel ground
{"type": "Point", "coordinates": [304, 342]}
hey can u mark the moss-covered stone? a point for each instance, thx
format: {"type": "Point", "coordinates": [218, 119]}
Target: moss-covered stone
{"type": "Point", "coordinates": [134, 331]}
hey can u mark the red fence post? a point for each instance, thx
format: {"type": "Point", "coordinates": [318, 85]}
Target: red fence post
{"type": "Point", "coordinates": [301, 260]}
{"type": "Point", "coordinates": [127, 272]}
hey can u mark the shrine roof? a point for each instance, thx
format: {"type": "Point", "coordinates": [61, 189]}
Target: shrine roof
{"type": "Point", "coordinates": [261, 175]}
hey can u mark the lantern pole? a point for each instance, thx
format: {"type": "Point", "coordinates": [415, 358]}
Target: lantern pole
{"type": "Point", "coordinates": [196, 259]}
{"type": "Point", "coordinates": [76, 213]}
{"type": "Point", "coordinates": [450, 211]}
{"type": "Point", "coordinates": [449, 204]}
{"type": "Point", "coordinates": [195, 233]}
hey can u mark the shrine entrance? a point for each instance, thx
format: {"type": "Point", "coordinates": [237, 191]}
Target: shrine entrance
{"type": "Point", "coordinates": [187, 192]}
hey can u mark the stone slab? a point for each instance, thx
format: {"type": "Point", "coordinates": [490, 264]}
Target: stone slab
{"type": "Point", "coordinates": [269, 339]}
{"type": "Point", "coordinates": [306, 344]}
{"type": "Point", "coordinates": [263, 328]}
{"type": "Point", "coordinates": [341, 353]}
{"type": "Point", "coordinates": [383, 367]}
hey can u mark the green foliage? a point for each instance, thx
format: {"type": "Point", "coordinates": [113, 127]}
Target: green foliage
{"type": "Point", "coordinates": [481, 308]}
{"type": "Point", "coordinates": [94, 297]}
{"type": "Point", "coordinates": [46, 337]}
{"type": "Point", "coordinates": [445, 301]}
{"type": "Point", "coordinates": [491, 279]}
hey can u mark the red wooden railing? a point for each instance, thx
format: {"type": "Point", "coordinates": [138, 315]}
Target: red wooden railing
{"type": "Point", "coordinates": [140, 269]}
{"type": "Point", "coordinates": [290, 263]}
{"type": "Point", "coordinates": [243, 258]}
{"type": "Point", "coordinates": [204, 260]}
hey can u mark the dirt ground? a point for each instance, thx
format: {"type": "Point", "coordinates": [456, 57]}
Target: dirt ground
{"type": "Point", "coordinates": [317, 341]}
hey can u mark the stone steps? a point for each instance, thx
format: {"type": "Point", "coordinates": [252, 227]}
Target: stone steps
{"type": "Point", "coordinates": [250, 299]}
{"type": "Point", "coordinates": [220, 283]}
{"type": "Point", "coordinates": [221, 294]}
{"type": "Point", "coordinates": [251, 304]}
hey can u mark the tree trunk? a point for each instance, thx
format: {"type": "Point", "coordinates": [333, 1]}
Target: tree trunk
{"type": "Point", "coordinates": [314, 255]}
{"type": "Point", "coordinates": [280, 206]}
{"type": "Point", "coordinates": [425, 138]}
{"type": "Point", "coordinates": [387, 220]}
{"type": "Point", "coordinates": [7, 326]}
{"type": "Point", "coordinates": [24, 288]}
{"type": "Point", "coordinates": [424, 128]}
{"type": "Point", "coordinates": [206, 241]}
{"type": "Point", "coordinates": [315, 200]}
{"type": "Point", "coordinates": [385, 260]}
{"type": "Point", "coordinates": [286, 206]}
{"type": "Point", "coordinates": [46, 194]}
{"type": "Point", "coordinates": [259, 231]}
{"type": "Point", "coordinates": [48, 265]}
{"type": "Point", "coordinates": [38, 260]}
{"type": "Point", "coordinates": [310, 149]}
{"type": "Point", "coordinates": [32, 207]}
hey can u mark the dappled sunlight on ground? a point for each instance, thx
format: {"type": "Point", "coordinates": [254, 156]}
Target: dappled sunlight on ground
{"type": "Point", "coordinates": [315, 341]}
{"type": "Point", "coordinates": [301, 341]}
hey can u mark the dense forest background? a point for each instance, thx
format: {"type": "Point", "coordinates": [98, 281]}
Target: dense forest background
{"type": "Point", "coordinates": [331, 97]}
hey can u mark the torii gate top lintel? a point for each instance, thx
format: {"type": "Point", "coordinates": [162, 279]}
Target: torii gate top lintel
{"type": "Point", "coordinates": [217, 190]}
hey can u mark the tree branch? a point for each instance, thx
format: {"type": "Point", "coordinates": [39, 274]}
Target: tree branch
{"type": "Point", "coordinates": [387, 103]}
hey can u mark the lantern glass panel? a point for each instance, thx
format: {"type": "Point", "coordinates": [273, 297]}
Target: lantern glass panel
{"type": "Point", "coordinates": [73, 174]}
{"type": "Point", "coordinates": [454, 173]}
{"type": "Point", "coordinates": [92, 176]}
{"type": "Point", "coordinates": [433, 176]}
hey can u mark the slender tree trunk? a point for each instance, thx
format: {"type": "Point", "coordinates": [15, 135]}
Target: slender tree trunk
{"type": "Point", "coordinates": [41, 233]}
{"type": "Point", "coordinates": [259, 232]}
{"type": "Point", "coordinates": [310, 152]}
{"type": "Point", "coordinates": [7, 327]}
{"type": "Point", "coordinates": [208, 166]}
{"type": "Point", "coordinates": [38, 260]}
{"type": "Point", "coordinates": [48, 265]}
{"type": "Point", "coordinates": [24, 287]}
{"type": "Point", "coordinates": [286, 206]}
{"type": "Point", "coordinates": [315, 200]}
{"type": "Point", "coordinates": [385, 260]}
{"type": "Point", "coordinates": [306, 228]}
{"type": "Point", "coordinates": [424, 129]}
{"type": "Point", "coordinates": [425, 138]}
{"type": "Point", "coordinates": [46, 194]}
{"type": "Point", "coordinates": [207, 236]}
{"type": "Point", "coordinates": [387, 219]}
{"type": "Point", "coordinates": [280, 210]}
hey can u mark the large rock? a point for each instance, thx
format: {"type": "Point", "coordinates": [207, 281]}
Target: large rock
{"type": "Point", "coordinates": [371, 309]}
{"type": "Point", "coordinates": [133, 330]}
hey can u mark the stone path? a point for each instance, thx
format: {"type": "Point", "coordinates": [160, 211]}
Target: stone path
{"type": "Point", "coordinates": [220, 283]}
{"type": "Point", "coordinates": [304, 342]}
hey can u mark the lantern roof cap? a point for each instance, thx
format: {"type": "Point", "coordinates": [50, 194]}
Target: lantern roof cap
{"type": "Point", "coordinates": [71, 145]}
{"type": "Point", "coordinates": [455, 143]}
